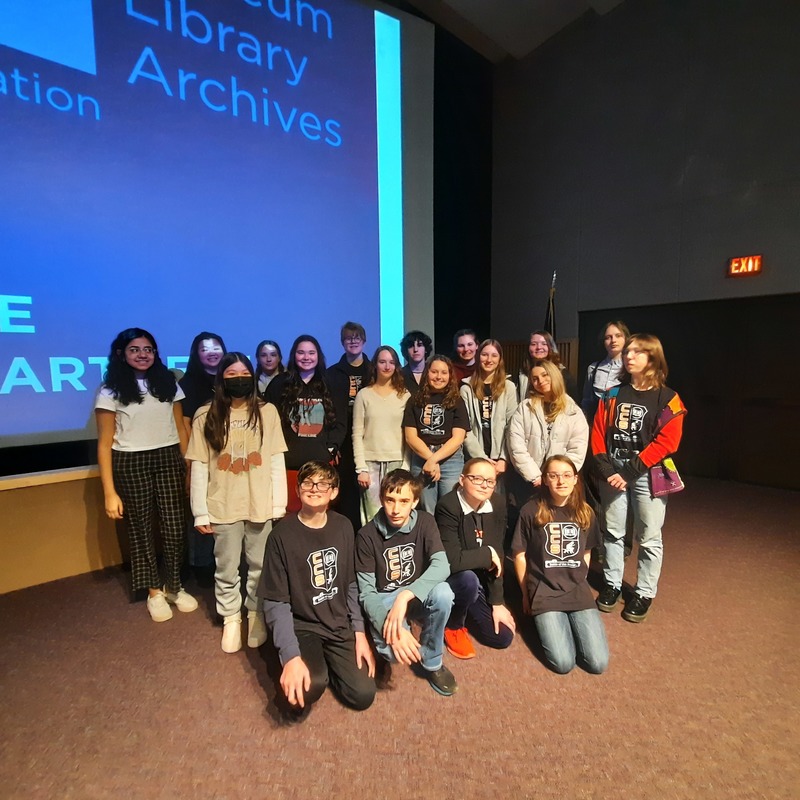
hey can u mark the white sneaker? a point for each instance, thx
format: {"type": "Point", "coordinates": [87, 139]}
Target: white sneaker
{"type": "Point", "coordinates": [256, 629]}
{"type": "Point", "coordinates": [158, 607]}
{"type": "Point", "coordinates": [182, 600]}
{"type": "Point", "coordinates": [232, 634]}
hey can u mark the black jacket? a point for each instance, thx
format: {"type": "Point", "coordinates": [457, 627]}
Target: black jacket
{"type": "Point", "coordinates": [460, 543]}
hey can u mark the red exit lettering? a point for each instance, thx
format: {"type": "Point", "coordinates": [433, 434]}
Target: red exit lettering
{"type": "Point", "coordinates": [746, 265]}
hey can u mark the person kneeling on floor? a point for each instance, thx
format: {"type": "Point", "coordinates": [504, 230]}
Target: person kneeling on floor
{"type": "Point", "coordinates": [552, 546]}
{"type": "Point", "coordinates": [311, 599]}
{"type": "Point", "coordinates": [472, 523]}
{"type": "Point", "coordinates": [402, 572]}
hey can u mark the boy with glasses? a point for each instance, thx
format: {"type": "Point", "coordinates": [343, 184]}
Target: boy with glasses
{"type": "Point", "coordinates": [402, 572]}
{"type": "Point", "coordinates": [311, 599]}
{"type": "Point", "coordinates": [352, 371]}
{"type": "Point", "coordinates": [472, 524]}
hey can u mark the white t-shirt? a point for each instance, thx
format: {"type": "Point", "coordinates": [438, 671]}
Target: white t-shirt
{"type": "Point", "coordinates": [141, 426]}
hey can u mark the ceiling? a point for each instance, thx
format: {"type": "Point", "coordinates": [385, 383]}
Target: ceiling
{"type": "Point", "coordinates": [500, 29]}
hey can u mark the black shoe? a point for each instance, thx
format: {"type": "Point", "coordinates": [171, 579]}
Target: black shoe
{"type": "Point", "coordinates": [442, 681]}
{"type": "Point", "coordinates": [636, 608]}
{"type": "Point", "coordinates": [608, 599]}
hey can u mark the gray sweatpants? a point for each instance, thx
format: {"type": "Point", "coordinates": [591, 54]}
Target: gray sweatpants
{"type": "Point", "coordinates": [229, 541]}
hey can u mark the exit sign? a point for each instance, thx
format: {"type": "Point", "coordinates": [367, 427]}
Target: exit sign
{"type": "Point", "coordinates": [744, 265]}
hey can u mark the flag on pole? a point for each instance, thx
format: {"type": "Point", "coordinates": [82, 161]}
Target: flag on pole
{"type": "Point", "coordinates": [550, 316]}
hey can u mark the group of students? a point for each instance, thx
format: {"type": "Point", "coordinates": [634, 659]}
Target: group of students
{"type": "Point", "coordinates": [387, 445]}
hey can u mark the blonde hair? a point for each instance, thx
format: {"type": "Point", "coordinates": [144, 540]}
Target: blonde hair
{"type": "Point", "coordinates": [558, 405]}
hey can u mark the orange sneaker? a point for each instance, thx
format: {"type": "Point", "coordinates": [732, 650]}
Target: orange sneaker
{"type": "Point", "coordinates": [458, 643]}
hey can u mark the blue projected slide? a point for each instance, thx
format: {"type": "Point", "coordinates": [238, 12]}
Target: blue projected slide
{"type": "Point", "coordinates": [183, 165]}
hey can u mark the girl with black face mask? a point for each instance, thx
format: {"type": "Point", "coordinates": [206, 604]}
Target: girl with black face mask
{"type": "Point", "coordinates": [238, 489]}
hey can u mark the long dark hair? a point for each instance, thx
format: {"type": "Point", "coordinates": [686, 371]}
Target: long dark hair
{"type": "Point", "coordinates": [576, 506]}
{"type": "Point", "coordinates": [451, 395]}
{"type": "Point", "coordinates": [120, 377]}
{"type": "Point", "coordinates": [218, 419]}
{"type": "Point", "coordinates": [289, 405]}
{"type": "Point", "coordinates": [397, 381]}
{"type": "Point", "coordinates": [194, 369]}
{"type": "Point", "coordinates": [271, 343]}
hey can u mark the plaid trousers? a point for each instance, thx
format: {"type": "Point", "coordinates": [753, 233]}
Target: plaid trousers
{"type": "Point", "coordinates": [146, 480]}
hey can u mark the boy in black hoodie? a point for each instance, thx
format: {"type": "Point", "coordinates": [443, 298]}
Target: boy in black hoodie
{"type": "Point", "coordinates": [345, 378]}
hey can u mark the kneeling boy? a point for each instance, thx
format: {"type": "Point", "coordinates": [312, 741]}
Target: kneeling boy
{"type": "Point", "coordinates": [402, 569]}
{"type": "Point", "coordinates": [311, 598]}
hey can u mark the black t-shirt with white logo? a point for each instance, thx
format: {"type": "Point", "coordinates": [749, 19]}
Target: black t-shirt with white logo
{"type": "Point", "coordinates": [487, 405]}
{"type": "Point", "coordinates": [554, 554]}
{"type": "Point", "coordinates": [635, 416]}
{"type": "Point", "coordinates": [311, 569]}
{"type": "Point", "coordinates": [434, 422]}
{"type": "Point", "coordinates": [399, 560]}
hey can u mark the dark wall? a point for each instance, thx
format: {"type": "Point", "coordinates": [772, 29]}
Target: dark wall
{"type": "Point", "coordinates": [462, 193]}
{"type": "Point", "coordinates": [462, 186]}
{"type": "Point", "coordinates": [734, 363]}
{"type": "Point", "coordinates": [636, 152]}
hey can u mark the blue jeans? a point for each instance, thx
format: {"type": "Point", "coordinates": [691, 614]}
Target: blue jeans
{"type": "Point", "coordinates": [432, 613]}
{"type": "Point", "coordinates": [472, 611]}
{"type": "Point", "coordinates": [570, 637]}
{"type": "Point", "coordinates": [648, 519]}
{"type": "Point", "coordinates": [433, 492]}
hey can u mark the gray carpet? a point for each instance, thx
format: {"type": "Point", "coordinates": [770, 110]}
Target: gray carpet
{"type": "Point", "coordinates": [701, 700]}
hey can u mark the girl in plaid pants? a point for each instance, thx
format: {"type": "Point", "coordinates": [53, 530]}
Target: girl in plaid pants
{"type": "Point", "coordinates": [141, 440]}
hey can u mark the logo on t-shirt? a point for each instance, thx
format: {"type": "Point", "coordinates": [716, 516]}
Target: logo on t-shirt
{"type": "Point", "coordinates": [432, 419]}
{"type": "Point", "coordinates": [399, 565]}
{"type": "Point", "coordinates": [323, 564]}
{"type": "Point", "coordinates": [486, 408]}
{"type": "Point", "coordinates": [563, 543]}
{"type": "Point", "coordinates": [312, 417]}
{"type": "Point", "coordinates": [235, 458]}
{"type": "Point", "coordinates": [630, 417]}
{"type": "Point", "coordinates": [355, 385]}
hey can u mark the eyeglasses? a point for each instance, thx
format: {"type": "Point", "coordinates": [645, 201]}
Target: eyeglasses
{"type": "Point", "coordinates": [353, 339]}
{"type": "Point", "coordinates": [554, 476]}
{"type": "Point", "coordinates": [134, 351]}
{"type": "Point", "coordinates": [309, 486]}
{"type": "Point", "coordinates": [477, 480]}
